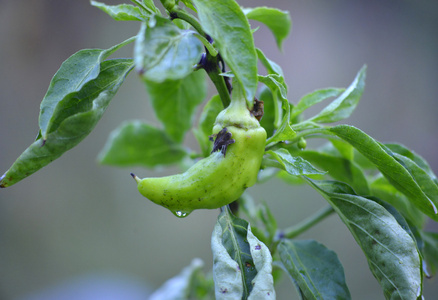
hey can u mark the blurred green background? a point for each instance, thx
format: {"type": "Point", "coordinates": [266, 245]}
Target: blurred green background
{"type": "Point", "coordinates": [79, 228]}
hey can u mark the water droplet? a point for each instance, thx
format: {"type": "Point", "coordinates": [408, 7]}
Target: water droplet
{"type": "Point", "coordinates": [181, 214]}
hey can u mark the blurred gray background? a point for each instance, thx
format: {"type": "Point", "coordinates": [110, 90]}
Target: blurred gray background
{"type": "Point", "coordinates": [79, 228]}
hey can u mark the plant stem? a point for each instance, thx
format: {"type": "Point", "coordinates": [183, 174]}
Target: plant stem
{"type": "Point", "coordinates": [212, 68]}
{"type": "Point", "coordinates": [307, 223]}
{"type": "Point", "coordinates": [122, 44]}
{"type": "Point", "coordinates": [207, 44]}
{"type": "Point", "coordinates": [210, 65]}
{"type": "Point", "coordinates": [312, 131]}
{"type": "Point", "coordinates": [306, 133]}
{"type": "Point", "coordinates": [177, 13]}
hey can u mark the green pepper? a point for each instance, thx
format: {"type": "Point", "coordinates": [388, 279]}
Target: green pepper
{"type": "Point", "coordinates": [223, 176]}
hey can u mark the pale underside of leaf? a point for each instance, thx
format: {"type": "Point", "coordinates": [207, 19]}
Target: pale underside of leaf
{"type": "Point", "coordinates": [391, 252]}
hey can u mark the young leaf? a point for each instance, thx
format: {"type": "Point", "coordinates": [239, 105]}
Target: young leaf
{"type": "Point", "coordinates": [206, 122]}
{"type": "Point", "coordinates": [270, 66]}
{"type": "Point", "coordinates": [165, 52]}
{"type": "Point", "coordinates": [316, 270]}
{"type": "Point", "coordinates": [284, 131]}
{"type": "Point", "coordinates": [135, 143]}
{"type": "Point", "coordinates": [391, 252]}
{"type": "Point", "coordinates": [396, 173]}
{"type": "Point", "coordinates": [282, 122]}
{"type": "Point", "coordinates": [74, 73]}
{"type": "Point", "coordinates": [278, 21]}
{"type": "Point", "coordinates": [276, 83]}
{"type": "Point", "coordinates": [83, 109]}
{"type": "Point", "coordinates": [180, 286]}
{"type": "Point", "coordinates": [149, 6]}
{"type": "Point", "coordinates": [342, 107]}
{"type": "Point", "coordinates": [225, 22]}
{"type": "Point", "coordinates": [189, 4]}
{"type": "Point", "coordinates": [313, 98]}
{"type": "Point", "coordinates": [122, 12]}
{"type": "Point", "coordinates": [293, 165]}
{"type": "Point", "coordinates": [269, 107]}
{"type": "Point", "coordinates": [174, 102]}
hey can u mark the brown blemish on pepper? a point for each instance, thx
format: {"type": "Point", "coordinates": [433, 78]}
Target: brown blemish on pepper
{"type": "Point", "coordinates": [223, 139]}
{"type": "Point", "coordinates": [257, 110]}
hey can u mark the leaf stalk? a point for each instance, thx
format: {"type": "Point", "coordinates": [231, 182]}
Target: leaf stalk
{"type": "Point", "coordinates": [306, 224]}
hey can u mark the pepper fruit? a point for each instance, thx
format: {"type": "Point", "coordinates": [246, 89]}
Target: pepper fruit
{"type": "Point", "coordinates": [223, 176]}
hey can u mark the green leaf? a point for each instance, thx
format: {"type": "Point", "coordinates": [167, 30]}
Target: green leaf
{"type": "Point", "coordinates": [316, 270]}
{"type": "Point", "coordinates": [296, 166]}
{"type": "Point", "coordinates": [225, 22]}
{"type": "Point", "coordinates": [383, 189]}
{"type": "Point", "coordinates": [282, 122]}
{"type": "Point", "coordinates": [313, 98]}
{"type": "Point", "coordinates": [175, 101]}
{"type": "Point", "coordinates": [74, 73]}
{"type": "Point", "coordinates": [338, 168]}
{"type": "Point", "coordinates": [136, 143]}
{"type": "Point", "coordinates": [180, 286]}
{"type": "Point", "coordinates": [165, 52]}
{"type": "Point", "coordinates": [292, 179]}
{"type": "Point", "coordinates": [148, 5]}
{"type": "Point", "coordinates": [411, 229]}
{"type": "Point", "coordinates": [396, 173]}
{"type": "Point", "coordinates": [189, 4]}
{"type": "Point", "coordinates": [271, 67]}
{"type": "Point", "coordinates": [269, 107]}
{"type": "Point", "coordinates": [418, 167]}
{"type": "Point", "coordinates": [344, 148]}
{"type": "Point", "coordinates": [423, 179]}
{"type": "Point", "coordinates": [242, 265]}
{"type": "Point", "coordinates": [284, 131]}
{"type": "Point", "coordinates": [278, 21]}
{"type": "Point", "coordinates": [342, 107]}
{"type": "Point", "coordinates": [122, 12]}
{"type": "Point", "coordinates": [431, 250]}
{"type": "Point", "coordinates": [417, 159]}
{"type": "Point", "coordinates": [206, 121]}
{"type": "Point", "coordinates": [78, 113]}
{"type": "Point", "coordinates": [276, 83]}
{"type": "Point", "coordinates": [391, 252]}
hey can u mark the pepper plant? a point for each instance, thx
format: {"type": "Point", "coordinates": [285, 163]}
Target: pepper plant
{"type": "Point", "coordinates": [383, 193]}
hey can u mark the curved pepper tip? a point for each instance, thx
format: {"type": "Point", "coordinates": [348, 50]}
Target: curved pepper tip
{"type": "Point", "coordinates": [135, 177]}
